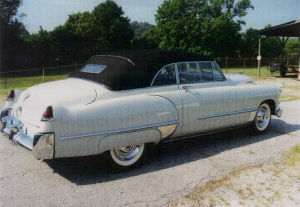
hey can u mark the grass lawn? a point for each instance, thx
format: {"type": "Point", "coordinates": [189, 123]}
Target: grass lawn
{"type": "Point", "coordinates": [250, 71]}
{"type": "Point", "coordinates": [23, 83]}
{"type": "Point", "coordinates": [25, 80]}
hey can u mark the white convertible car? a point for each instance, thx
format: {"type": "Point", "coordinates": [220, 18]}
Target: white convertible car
{"type": "Point", "coordinates": [120, 102]}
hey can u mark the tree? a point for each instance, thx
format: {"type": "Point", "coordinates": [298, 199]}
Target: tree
{"type": "Point", "coordinates": [84, 34]}
{"type": "Point", "coordinates": [111, 30]}
{"type": "Point", "coordinates": [9, 10]}
{"type": "Point", "coordinates": [149, 40]}
{"type": "Point", "coordinates": [271, 47]}
{"type": "Point", "coordinates": [221, 37]}
{"type": "Point", "coordinates": [292, 48]}
{"type": "Point", "coordinates": [13, 48]}
{"type": "Point", "coordinates": [204, 26]}
{"type": "Point", "coordinates": [73, 40]}
{"type": "Point", "coordinates": [43, 47]}
{"type": "Point", "coordinates": [140, 27]}
{"type": "Point", "coordinates": [179, 24]}
{"type": "Point", "coordinates": [249, 47]}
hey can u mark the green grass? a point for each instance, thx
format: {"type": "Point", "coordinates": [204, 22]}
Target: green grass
{"type": "Point", "coordinates": [288, 97]}
{"type": "Point", "coordinates": [250, 71]}
{"type": "Point", "coordinates": [293, 157]}
{"type": "Point", "coordinates": [23, 83]}
{"type": "Point", "coordinates": [24, 80]}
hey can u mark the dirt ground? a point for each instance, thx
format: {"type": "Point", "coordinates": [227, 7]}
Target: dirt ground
{"type": "Point", "coordinates": [289, 86]}
{"type": "Point", "coordinates": [276, 184]}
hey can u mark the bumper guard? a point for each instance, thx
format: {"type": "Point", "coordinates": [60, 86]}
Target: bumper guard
{"type": "Point", "coordinates": [279, 113]}
{"type": "Point", "coordinates": [41, 145]}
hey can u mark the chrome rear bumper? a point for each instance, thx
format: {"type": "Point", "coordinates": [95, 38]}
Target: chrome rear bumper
{"type": "Point", "coordinates": [41, 145]}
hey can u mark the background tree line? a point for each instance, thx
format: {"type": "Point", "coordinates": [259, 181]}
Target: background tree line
{"type": "Point", "coordinates": [209, 27]}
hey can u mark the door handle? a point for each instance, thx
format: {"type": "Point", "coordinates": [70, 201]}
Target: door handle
{"type": "Point", "coordinates": [186, 88]}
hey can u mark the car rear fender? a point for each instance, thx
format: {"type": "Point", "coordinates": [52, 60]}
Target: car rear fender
{"type": "Point", "coordinates": [113, 122]}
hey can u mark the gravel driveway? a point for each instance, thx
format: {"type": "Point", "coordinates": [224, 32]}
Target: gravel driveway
{"type": "Point", "coordinates": [170, 172]}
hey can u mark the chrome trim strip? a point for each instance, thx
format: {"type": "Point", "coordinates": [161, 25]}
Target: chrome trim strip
{"type": "Point", "coordinates": [124, 130]}
{"type": "Point", "coordinates": [228, 113]}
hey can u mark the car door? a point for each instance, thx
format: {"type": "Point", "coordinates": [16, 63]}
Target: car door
{"type": "Point", "coordinates": [208, 98]}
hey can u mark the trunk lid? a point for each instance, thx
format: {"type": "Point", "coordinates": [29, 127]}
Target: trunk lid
{"type": "Point", "coordinates": [62, 93]}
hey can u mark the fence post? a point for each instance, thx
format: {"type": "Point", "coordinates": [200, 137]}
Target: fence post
{"type": "Point", "coordinates": [43, 74]}
{"type": "Point", "coordinates": [5, 82]}
{"type": "Point", "coordinates": [244, 65]}
{"type": "Point", "coordinates": [75, 66]}
{"type": "Point", "coordinates": [226, 64]}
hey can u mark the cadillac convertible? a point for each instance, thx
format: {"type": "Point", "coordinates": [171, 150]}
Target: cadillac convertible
{"type": "Point", "coordinates": [121, 102]}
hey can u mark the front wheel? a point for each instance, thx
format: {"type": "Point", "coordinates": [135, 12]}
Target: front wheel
{"type": "Point", "coordinates": [262, 119]}
{"type": "Point", "coordinates": [125, 158]}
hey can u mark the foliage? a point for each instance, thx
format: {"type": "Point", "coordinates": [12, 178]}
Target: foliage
{"type": "Point", "coordinates": [140, 27]}
{"type": "Point", "coordinates": [210, 27]}
{"type": "Point", "coordinates": [9, 10]}
{"type": "Point", "coordinates": [292, 48]}
{"type": "Point", "coordinates": [83, 35]}
{"type": "Point", "coordinates": [221, 37]}
{"type": "Point", "coordinates": [179, 24]}
{"type": "Point", "coordinates": [205, 26]}
{"type": "Point", "coordinates": [13, 48]}
{"type": "Point", "coordinates": [249, 43]}
{"type": "Point", "coordinates": [111, 30]}
{"type": "Point", "coordinates": [271, 46]}
{"type": "Point", "coordinates": [73, 40]}
{"type": "Point", "coordinates": [42, 45]}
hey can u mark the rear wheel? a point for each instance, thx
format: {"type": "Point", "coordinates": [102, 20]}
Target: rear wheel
{"type": "Point", "coordinates": [262, 119]}
{"type": "Point", "coordinates": [125, 158]}
{"type": "Point", "coordinates": [283, 73]}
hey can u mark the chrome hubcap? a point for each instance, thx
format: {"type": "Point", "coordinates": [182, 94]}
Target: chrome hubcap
{"type": "Point", "coordinates": [262, 118]}
{"type": "Point", "coordinates": [126, 153]}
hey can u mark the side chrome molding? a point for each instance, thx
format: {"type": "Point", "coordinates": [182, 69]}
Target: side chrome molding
{"type": "Point", "coordinates": [165, 128]}
{"type": "Point", "coordinates": [226, 114]}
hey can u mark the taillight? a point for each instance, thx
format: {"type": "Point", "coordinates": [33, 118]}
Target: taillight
{"type": "Point", "coordinates": [10, 96]}
{"type": "Point", "coordinates": [48, 114]}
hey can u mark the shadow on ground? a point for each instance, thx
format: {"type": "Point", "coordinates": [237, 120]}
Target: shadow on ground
{"type": "Point", "coordinates": [93, 169]}
{"type": "Point", "coordinates": [287, 76]}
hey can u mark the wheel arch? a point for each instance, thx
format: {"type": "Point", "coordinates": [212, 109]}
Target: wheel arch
{"type": "Point", "coordinates": [272, 105]}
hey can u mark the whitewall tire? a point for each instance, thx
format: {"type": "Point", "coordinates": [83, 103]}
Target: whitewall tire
{"type": "Point", "coordinates": [262, 119]}
{"type": "Point", "coordinates": [126, 157]}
